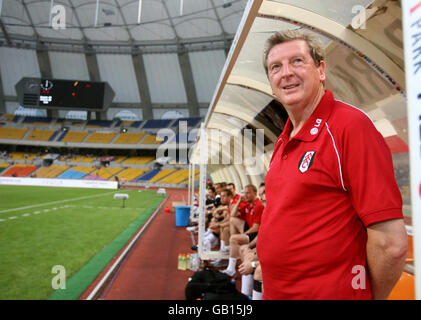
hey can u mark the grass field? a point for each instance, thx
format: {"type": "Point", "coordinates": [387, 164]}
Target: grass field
{"type": "Point", "coordinates": [41, 227]}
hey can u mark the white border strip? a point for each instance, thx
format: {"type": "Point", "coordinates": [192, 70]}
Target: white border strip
{"type": "Point", "coordinates": [101, 284]}
{"type": "Point", "coordinates": [71, 183]}
{"type": "Point", "coordinates": [411, 13]}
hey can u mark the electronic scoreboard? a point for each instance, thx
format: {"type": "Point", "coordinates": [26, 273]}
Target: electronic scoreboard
{"type": "Point", "coordinates": [64, 94]}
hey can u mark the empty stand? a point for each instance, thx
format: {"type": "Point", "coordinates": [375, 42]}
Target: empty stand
{"type": "Point", "coordinates": [139, 160]}
{"type": "Point", "coordinates": [39, 135]}
{"type": "Point", "coordinates": [163, 173]}
{"type": "Point", "coordinates": [191, 122]}
{"type": "Point", "coordinates": [98, 123]}
{"type": "Point", "coordinates": [52, 171]}
{"type": "Point", "coordinates": [12, 133]}
{"type": "Point", "coordinates": [19, 170]}
{"type": "Point", "coordinates": [150, 139]}
{"type": "Point", "coordinates": [37, 120]}
{"type": "Point", "coordinates": [73, 136]}
{"type": "Point", "coordinates": [176, 177]}
{"type": "Point", "coordinates": [136, 124]}
{"type": "Point", "coordinates": [99, 137]}
{"type": "Point", "coordinates": [76, 173]}
{"type": "Point", "coordinates": [81, 159]}
{"type": "Point", "coordinates": [129, 138]}
{"type": "Point", "coordinates": [157, 124]}
{"type": "Point", "coordinates": [3, 167]}
{"type": "Point", "coordinates": [131, 173]}
{"type": "Point", "coordinates": [148, 175]}
{"type": "Point", "coordinates": [105, 173]}
{"type": "Point", "coordinates": [85, 170]}
{"type": "Point", "coordinates": [119, 159]}
{"type": "Point", "coordinates": [15, 155]}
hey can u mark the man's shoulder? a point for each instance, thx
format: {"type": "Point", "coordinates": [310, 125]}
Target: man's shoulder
{"type": "Point", "coordinates": [346, 117]}
{"type": "Point", "coordinates": [258, 203]}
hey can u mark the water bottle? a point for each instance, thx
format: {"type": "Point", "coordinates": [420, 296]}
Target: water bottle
{"type": "Point", "coordinates": [187, 261]}
{"type": "Point", "coordinates": [183, 262]}
{"type": "Point", "coordinates": [179, 261]}
{"type": "Point", "coordinates": [195, 262]}
{"type": "Point", "coordinates": [191, 262]}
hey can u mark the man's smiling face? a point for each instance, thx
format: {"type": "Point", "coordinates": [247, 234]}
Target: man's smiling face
{"type": "Point", "coordinates": [293, 75]}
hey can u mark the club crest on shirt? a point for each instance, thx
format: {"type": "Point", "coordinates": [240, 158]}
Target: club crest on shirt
{"type": "Point", "coordinates": [306, 161]}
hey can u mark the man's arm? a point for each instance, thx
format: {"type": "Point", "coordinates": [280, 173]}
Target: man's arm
{"type": "Point", "coordinates": [254, 228]}
{"type": "Point", "coordinates": [387, 245]}
{"type": "Point", "coordinates": [234, 208]}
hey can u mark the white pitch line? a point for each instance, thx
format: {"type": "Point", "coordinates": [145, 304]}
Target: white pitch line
{"type": "Point", "coordinates": [55, 202]}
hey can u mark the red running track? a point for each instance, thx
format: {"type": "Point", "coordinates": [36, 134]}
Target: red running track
{"type": "Point", "coordinates": [149, 272]}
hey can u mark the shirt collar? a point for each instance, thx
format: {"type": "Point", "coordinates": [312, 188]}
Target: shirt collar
{"type": "Point", "coordinates": [313, 126]}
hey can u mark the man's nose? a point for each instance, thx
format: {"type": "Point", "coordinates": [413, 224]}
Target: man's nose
{"type": "Point", "coordinates": [286, 70]}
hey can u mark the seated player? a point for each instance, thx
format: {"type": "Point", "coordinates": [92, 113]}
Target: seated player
{"type": "Point", "coordinates": [248, 215]}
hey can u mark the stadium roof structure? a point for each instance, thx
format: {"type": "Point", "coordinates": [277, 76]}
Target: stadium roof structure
{"type": "Point", "coordinates": [121, 25]}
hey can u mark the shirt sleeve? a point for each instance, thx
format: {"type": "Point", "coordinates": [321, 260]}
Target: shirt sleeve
{"type": "Point", "coordinates": [368, 172]}
{"type": "Point", "coordinates": [257, 215]}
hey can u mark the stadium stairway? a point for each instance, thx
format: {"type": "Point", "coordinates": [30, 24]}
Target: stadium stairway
{"type": "Point", "coordinates": [147, 176]}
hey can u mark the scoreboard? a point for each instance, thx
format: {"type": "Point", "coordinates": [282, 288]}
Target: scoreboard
{"type": "Point", "coordinates": [64, 94]}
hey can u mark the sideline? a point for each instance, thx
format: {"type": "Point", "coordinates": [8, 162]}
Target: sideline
{"type": "Point", "coordinates": [55, 202]}
{"type": "Point", "coordinates": [83, 278]}
{"type": "Point", "coordinates": [97, 290]}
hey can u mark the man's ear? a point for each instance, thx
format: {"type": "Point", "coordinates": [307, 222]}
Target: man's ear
{"type": "Point", "coordinates": [322, 70]}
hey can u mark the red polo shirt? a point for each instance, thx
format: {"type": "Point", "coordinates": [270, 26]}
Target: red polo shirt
{"type": "Point", "coordinates": [324, 187]}
{"type": "Point", "coordinates": [251, 212]}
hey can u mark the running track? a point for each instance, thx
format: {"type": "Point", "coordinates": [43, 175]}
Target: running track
{"type": "Point", "coordinates": [150, 272]}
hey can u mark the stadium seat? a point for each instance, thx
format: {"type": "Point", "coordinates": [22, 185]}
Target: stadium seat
{"type": "Point", "coordinates": [138, 160]}
{"type": "Point", "coordinates": [149, 175]}
{"type": "Point", "coordinates": [12, 133]}
{"type": "Point", "coordinates": [3, 167]}
{"type": "Point", "coordinates": [136, 124]}
{"type": "Point", "coordinates": [72, 174]}
{"type": "Point", "coordinates": [191, 122]}
{"type": "Point", "coordinates": [99, 137]}
{"type": "Point", "coordinates": [73, 136]}
{"type": "Point", "coordinates": [160, 175]}
{"type": "Point", "coordinates": [37, 120]}
{"type": "Point", "coordinates": [22, 155]}
{"type": "Point", "coordinates": [120, 159]}
{"type": "Point", "coordinates": [151, 139]}
{"type": "Point", "coordinates": [81, 158]}
{"type": "Point", "coordinates": [176, 177]}
{"type": "Point", "coordinates": [131, 173]}
{"type": "Point", "coordinates": [105, 173]}
{"type": "Point", "coordinates": [20, 170]}
{"type": "Point", "coordinates": [98, 124]}
{"type": "Point", "coordinates": [129, 138]}
{"type": "Point", "coordinates": [52, 171]}
{"type": "Point", "coordinates": [39, 135]}
{"type": "Point", "coordinates": [156, 124]}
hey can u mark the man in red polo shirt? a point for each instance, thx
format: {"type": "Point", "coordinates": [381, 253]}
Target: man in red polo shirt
{"type": "Point", "coordinates": [249, 214]}
{"type": "Point", "coordinates": [333, 225]}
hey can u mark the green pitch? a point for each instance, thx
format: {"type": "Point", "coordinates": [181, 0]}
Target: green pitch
{"type": "Point", "coordinates": [43, 227]}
